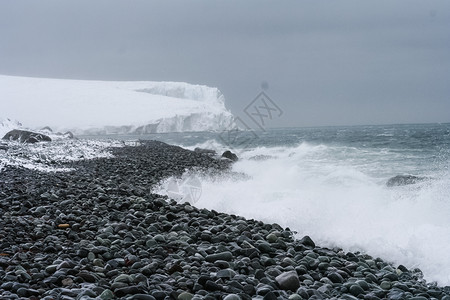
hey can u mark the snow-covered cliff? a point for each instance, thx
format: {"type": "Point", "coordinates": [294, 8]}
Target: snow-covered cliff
{"type": "Point", "coordinates": [107, 107]}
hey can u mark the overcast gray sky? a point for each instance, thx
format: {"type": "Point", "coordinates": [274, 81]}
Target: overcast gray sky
{"type": "Point", "coordinates": [325, 62]}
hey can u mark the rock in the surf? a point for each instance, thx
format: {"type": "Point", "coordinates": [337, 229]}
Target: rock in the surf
{"type": "Point", "coordinates": [25, 136]}
{"type": "Point", "coordinates": [403, 180]}
{"type": "Point", "coordinates": [230, 155]}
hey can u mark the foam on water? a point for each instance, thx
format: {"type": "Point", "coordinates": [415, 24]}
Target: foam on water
{"type": "Point", "coordinates": [338, 196]}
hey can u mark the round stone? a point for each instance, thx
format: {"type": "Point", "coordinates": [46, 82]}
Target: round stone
{"type": "Point", "coordinates": [271, 238]}
{"type": "Point", "coordinates": [232, 297]}
{"type": "Point", "coordinates": [185, 296]}
{"type": "Point", "coordinates": [335, 277]}
{"type": "Point", "coordinates": [295, 297]}
{"type": "Point", "coordinates": [385, 285]}
{"type": "Point", "coordinates": [356, 290]}
{"type": "Point", "coordinates": [288, 280]}
{"type": "Point", "coordinates": [123, 278]}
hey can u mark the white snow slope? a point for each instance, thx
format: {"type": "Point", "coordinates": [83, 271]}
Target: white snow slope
{"type": "Point", "coordinates": [112, 107]}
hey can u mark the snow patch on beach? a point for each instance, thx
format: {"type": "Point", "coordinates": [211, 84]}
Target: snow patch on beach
{"type": "Point", "coordinates": [50, 156]}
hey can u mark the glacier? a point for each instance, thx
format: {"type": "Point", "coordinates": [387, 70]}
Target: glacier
{"type": "Point", "coordinates": [113, 107]}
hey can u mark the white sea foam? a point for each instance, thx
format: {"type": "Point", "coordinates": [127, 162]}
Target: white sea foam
{"type": "Point", "coordinates": [338, 196]}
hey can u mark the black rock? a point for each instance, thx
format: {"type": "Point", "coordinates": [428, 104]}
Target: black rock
{"type": "Point", "coordinates": [335, 278]}
{"type": "Point", "coordinates": [270, 296]}
{"type": "Point", "coordinates": [129, 290]}
{"type": "Point", "coordinates": [400, 180]}
{"type": "Point", "coordinates": [307, 241]}
{"type": "Point", "coordinates": [356, 290]}
{"type": "Point", "coordinates": [230, 155]}
{"type": "Point", "coordinates": [212, 286]}
{"type": "Point", "coordinates": [25, 136]}
{"type": "Point", "coordinates": [226, 256]}
{"type": "Point", "coordinates": [288, 281]}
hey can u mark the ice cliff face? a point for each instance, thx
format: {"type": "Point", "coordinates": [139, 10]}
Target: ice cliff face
{"type": "Point", "coordinates": [111, 107]}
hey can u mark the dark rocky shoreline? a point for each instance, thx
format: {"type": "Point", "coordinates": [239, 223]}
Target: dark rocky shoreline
{"type": "Point", "coordinates": [97, 232]}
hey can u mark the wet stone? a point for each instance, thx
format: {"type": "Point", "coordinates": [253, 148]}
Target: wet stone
{"type": "Point", "coordinates": [226, 256]}
{"type": "Point", "coordinates": [185, 296]}
{"type": "Point", "coordinates": [123, 278]}
{"type": "Point", "coordinates": [288, 281]}
{"type": "Point", "coordinates": [356, 290]}
{"type": "Point", "coordinates": [335, 278]}
{"type": "Point", "coordinates": [232, 297]}
{"type": "Point", "coordinates": [385, 285]}
{"type": "Point", "coordinates": [295, 297]}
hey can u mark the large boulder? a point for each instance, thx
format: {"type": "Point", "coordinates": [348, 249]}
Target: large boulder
{"type": "Point", "coordinates": [25, 136]}
{"type": "Point", "coordinates": [403, 180]}
{"type": "Point", "coordinates": [230, 155]}
{"type": "Point", "coordinates": [288, 281]}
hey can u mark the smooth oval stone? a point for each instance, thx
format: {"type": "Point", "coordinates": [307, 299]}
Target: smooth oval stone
{"type": "Point", "coordinates": [363, 284]}
{"type": "Point", "coordinates": [227, 256]}
{"type": "Point", "coordinates": [391, 276]}
{"type": "Point", "coordinates": [118, 285]}
{"type": "Point", "coordinates": [159, 238]}
{"type": "Point", "coordinates": [134, 289]}
{"type": "Point", "coordinates": [271, 238]}
{"type": "Point", "coordinates": [307, 241]}
{"type": "Point", "coordinates": [232, 297]}
{"type": "Point", "coordinates": [88, 277]}
{"type": "Point", "coordinates": [98, 262]}
{"type": "Point", "coordinates": [323, 266]}
{"type": "Point", "coordinates": [91, 256]}
{"type": "Point", "coordinates": [335, 277]}
{"type": "Point", "coordinates": [222, 264]}
{"type": "Point", "coordinates": [295, 297]}
{"type": "Point", "coordinates": [185, 296]}
{"type": "Point", "coordinates": [356, 290]}
{"type": "Point", "coordinates": [124, 278]}
{"type": "Point", "coordinates": [51, 269]}
{"type": "Point", "coordinates": [385, 285]}
{"type": "Point", "coordinates": [288, 280]}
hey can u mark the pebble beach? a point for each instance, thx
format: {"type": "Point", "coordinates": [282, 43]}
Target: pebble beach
{"type": "Point", "coordinates": [98, 231]}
